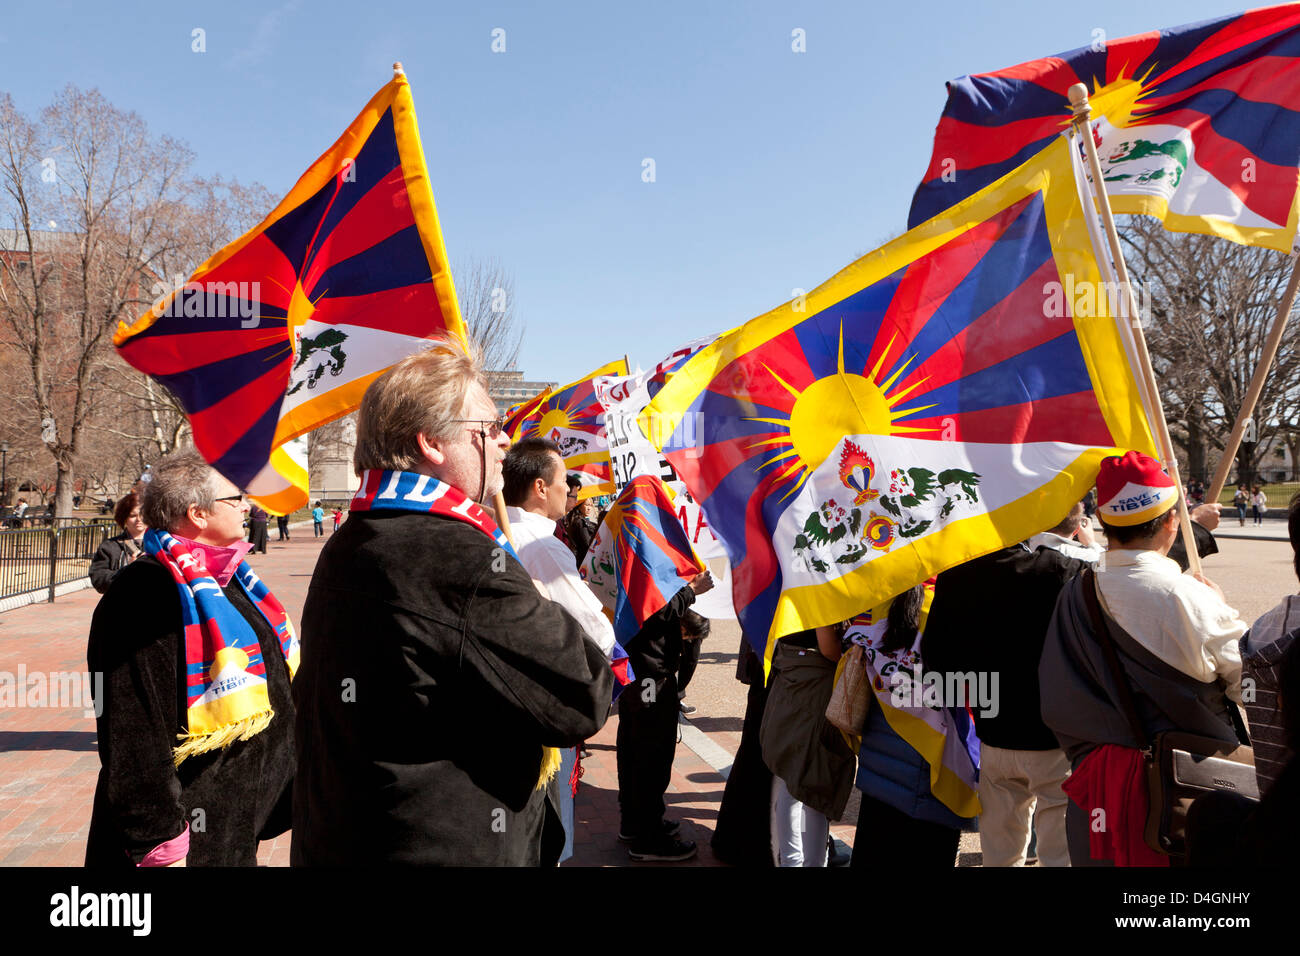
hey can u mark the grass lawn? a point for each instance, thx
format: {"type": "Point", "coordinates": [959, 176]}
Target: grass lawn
{"type": "Point", "coordinates": [1278, 495]}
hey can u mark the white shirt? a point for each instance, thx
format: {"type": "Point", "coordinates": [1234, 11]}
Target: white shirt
{"type": "Point", "coordinates": [1173, 615]}
{"type": "Point", "coordinates": [548, 559]}
{"type": "Point", "coordinates": [1067, 546]}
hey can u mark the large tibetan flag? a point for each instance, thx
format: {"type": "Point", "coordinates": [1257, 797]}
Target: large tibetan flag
{"type": "Point", "coordinates": [574, 419]}
{"type": "Point", "coordinates": [282, 330]}
{"type": "Point", "coordinates": [943, 396]}
{"type": "Point", "coordinates": [640, 556]}
{"type": "Point", "coordinates": [1198, 125]}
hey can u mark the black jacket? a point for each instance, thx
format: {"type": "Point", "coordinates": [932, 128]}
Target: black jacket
{"type": "Point", "coordinates": [432, 675]}
{"type": "Point", "coordinates": [142, 799]}
{"type": "Point", "coordinates": [109, 559]}
{"type": "Point", "coordinates": [656, 650]}
{"type": "Point", "coordinates": [991, 614]}
{"type": "Point", "coordinates": [581, 531]}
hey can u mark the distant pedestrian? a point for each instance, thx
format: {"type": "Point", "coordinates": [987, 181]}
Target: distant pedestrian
{"type": "Point", "coordinates": [119, 551]}
{"type": "Point", "coordinates": [318, 518]}
{"type": "Point", "coordinates": [1240, 501]}
{"type": "Point", "coordinates": [338, 516]}
{"type": "Point", "coordinates": [1260, 501]}
{"type": "Point", "coordinates": [257, 529]}
{"type": "Point", "coordinates": [282, 526]}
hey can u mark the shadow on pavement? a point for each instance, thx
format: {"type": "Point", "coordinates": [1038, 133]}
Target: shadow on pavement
{"type": "Point", "coordinates": [13, 740]}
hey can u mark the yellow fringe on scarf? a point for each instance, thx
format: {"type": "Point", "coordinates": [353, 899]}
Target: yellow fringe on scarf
{"type": "Point", "coordinates": [550, 766]}
{"type": "Point", "coordinates": [222, 738]}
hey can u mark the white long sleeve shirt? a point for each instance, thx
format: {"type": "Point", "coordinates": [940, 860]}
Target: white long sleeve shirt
{"type": "Point", "coordinates": [1067, 546]}
{"type": "Point", "coordinates": [1173, 615]}
{"type": "Point", "coordinates": [547, 559]}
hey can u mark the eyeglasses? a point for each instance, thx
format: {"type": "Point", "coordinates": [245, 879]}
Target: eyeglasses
{"type": "Point", "coordinates": [492, 429]}
{"type": "Point", "coordinates": [233, 500]}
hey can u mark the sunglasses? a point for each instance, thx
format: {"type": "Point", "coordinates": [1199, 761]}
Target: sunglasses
{"type": "Point", "coordinates": [492, 429]}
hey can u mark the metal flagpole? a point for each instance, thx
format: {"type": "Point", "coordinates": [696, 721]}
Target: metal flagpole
{"type": "Point", "coordinates": [1257, 383]}
{"type": "Point", "coordinates": [1155, 413]}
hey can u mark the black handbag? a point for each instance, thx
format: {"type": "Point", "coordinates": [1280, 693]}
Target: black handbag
{"type": "Point", "coordinates": [1180, 766]}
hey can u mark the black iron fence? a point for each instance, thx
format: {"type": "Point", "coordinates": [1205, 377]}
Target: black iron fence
{"type": "Point", "coordinates": [41, 558]}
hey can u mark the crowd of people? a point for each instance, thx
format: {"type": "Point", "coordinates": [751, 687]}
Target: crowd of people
{"type": "Point", "coordinates": [449, 674]}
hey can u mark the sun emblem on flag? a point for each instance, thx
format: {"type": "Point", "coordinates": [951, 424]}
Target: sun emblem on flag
{"type": "Point", "coordinates": [843, 403]}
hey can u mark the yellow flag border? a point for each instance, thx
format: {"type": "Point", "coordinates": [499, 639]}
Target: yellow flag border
{"type": "Point", "coordinates": [1264, 237]}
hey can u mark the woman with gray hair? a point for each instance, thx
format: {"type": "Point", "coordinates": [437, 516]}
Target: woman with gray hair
{"type": "Point", "coordinates": [195, 717]}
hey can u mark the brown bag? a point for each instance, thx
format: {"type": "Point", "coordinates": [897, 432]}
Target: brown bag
{"type": "Point", "coordinates": [1179, 766]}
{"type": "Point", "coordinates": [851, 698]}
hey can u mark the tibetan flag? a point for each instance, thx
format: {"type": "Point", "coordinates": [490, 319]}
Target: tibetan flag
{"type": "Point", "coordinates": [943, 735]}
{"type": "Point", "coordinates": [1198, 126]}
{"type": "Point", "coordinates": [640, 556]}
{"type": "Point", "coordinates": [574, 419]}
{"type": "Point", "coordinates": [282, 330]}
{"type": "Point", "coordinates": [944, 396]}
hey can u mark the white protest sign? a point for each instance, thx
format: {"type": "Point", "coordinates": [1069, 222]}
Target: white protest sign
{"type": "Point", "coordinates": [632, 454]}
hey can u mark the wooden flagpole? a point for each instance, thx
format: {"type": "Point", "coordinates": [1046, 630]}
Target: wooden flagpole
{"type": "Point", "coordinates": [1257, 383]}
{"type": "Point", "coordinates": [1156, 414]}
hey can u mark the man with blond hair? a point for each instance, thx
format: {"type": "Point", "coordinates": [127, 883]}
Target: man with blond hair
{"type": "Point", "coordinates": [436, 682]}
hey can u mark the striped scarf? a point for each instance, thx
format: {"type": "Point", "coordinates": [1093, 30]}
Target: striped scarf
{"type": "Point", "coordinates": [390, 490]}
{"type": "Point", "coordinates": [226, 697]}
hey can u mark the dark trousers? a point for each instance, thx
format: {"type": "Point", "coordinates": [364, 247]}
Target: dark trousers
{"type": "Point", "coordinates": [889, 837]}
{"type": "Point", "coordinates": [744, 832]}
{"type": "Point", "coordinates": [690, 660]}
{"type": "Point", "coordinates": [282, 525]}
{"type": "Point", "coordinates": [257, 535]}
{"type": "Point", "coordinates": [1078, 837]}
{"type": "Point", "coordinates": [647, 741]}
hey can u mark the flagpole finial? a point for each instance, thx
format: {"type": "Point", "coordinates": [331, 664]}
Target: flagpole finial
{"type": "Point", "coordinates": [397, 69]}
{"type": "Point", "coordinates": [1079, 99]}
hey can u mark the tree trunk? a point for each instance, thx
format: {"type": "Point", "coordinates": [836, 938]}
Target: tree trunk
{"type": "Point", "coordinates": [63, 488]}
{"type": "Point", "coordinates": [1246, 465]}
{"type": "Point", "coordinates": [1196, 447]}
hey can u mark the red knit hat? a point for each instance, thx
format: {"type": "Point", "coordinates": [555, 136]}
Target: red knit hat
{"type": "Point", "coordinates": [1133, 489]}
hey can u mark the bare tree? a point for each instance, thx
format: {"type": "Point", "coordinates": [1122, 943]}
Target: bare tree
{"type": "Point", "coordinates": [487, 304]}
{"type": "Point", "coordinates": [1212, 303]}
{"type": "Point", "coordinates": [92, 198]}
{"type": "Point", "coordinates": [210, 214]}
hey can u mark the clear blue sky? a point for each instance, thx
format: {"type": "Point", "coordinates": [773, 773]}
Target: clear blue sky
{"type": "Point", "coordinates": [774, 169]}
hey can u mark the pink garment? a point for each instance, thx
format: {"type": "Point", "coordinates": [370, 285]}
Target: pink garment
{"type": "Point", "coordinates": [1112, 779]}
{"type": "Point", "coordinates": [218, 562]}
{"type": "Point", "coordinates": [164, 854]}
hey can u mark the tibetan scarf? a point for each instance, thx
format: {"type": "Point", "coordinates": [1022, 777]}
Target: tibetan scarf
{"type": "Point", "coordinates": [226, 697]}
{"type": "Point", "coordinates": [423, 494]}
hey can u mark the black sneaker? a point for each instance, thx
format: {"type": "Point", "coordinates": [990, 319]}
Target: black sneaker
{"type": "Point", "coordinates": [665, 849]}
{"type": "Point", "coordinates": [669, 828]}
{"type": "Point", "coordinates": [686, 708]}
